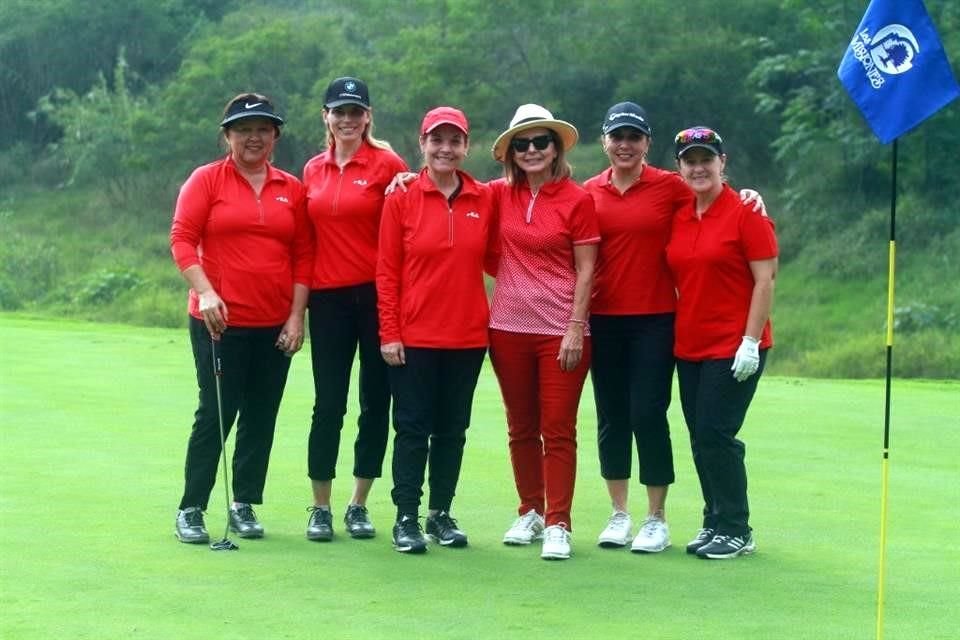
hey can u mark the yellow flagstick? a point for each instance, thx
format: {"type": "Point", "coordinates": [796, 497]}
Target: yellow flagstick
{"type": "Point", "coordinates": [884, 465]}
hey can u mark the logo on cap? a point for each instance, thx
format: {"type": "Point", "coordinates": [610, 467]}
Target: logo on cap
{"type": "Point", "coordinates": [247, 105]}
{"type": "Point", "coordinates": [350, 86]}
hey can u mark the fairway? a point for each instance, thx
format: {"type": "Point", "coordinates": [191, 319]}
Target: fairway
{"type": "Point", "coordinates": [93, 427]}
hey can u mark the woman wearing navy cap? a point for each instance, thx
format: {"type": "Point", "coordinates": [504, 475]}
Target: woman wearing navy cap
{"type": "Point", "coordinates": [345, 186]}
{"type": "Point", "coordinates": [632, 323]}
{"type": "Point", "coordinates": [241, 240]}
{"type": "Point", "coordinates": [723, 256]}
{"type": "Point", "coordinates": [435, 238]}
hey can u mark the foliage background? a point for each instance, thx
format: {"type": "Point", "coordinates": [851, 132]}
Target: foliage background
{"type": "Point", "coordinates": [109, 105]}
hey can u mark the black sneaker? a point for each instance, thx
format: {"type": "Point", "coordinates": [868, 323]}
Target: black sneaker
{"type": "Point", "coordinates": [320, 524]}
{"type": "Point", "coordinates": [243, 522]}
{"type": "Point", "coordinates": [358, 522]}
{"type": "Point", "coordinates": [408, 536]}
{"type": "Point", "coordinates": [444, 530]}
{"type": "Point", "coordinates": [190, 527]}
{"type": "Point", "coordinates": [704, 536]}
{"type": "Point", "coordinates": [724, 547]}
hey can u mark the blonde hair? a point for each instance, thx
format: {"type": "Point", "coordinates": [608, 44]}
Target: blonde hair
{"type": "Point", "coordinates": [559, 170]}
{"type": "Point", "coordinates": [367, 134]}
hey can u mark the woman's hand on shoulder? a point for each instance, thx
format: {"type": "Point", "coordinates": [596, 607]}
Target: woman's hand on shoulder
{"type": "Point", "coordinates": [400, 182]}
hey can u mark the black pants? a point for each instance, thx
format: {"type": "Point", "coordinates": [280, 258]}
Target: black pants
{"type": "Point", "coordinates": [432, 400]}
{"type": "Point", "coordinates": [340, 320]}
{"type": "Point", "coordinates": [632, 373]}
{"type": "Point", "coordinates": [714, 406]}
{"type": "Point", "coordinates": [254, 373]}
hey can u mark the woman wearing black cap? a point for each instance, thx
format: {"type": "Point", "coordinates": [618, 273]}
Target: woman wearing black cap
{"type": "Point", "coordinates": [632, 319]}
{"type": "Point", "coordinates": [241, 240]}
{"type": "Point", "coordinates": [345, 186]}
{"type": "Point", "coordinates": [723, 257]}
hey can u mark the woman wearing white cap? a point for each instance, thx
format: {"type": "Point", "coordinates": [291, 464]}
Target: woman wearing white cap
{"type": "Point", "coordinates": [241, 239]}
{"type": "Point", "coordinates": [345, 187]}
{"type": "Point", "coordinates": [539, 338]}
{"type": "Point", "coordinates": [435, 238]}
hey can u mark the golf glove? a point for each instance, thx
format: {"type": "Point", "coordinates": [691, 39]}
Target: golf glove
{"type": "Point", "coordinates": [747, 360]}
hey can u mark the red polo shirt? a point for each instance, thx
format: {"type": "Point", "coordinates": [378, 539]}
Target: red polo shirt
{"type": "Point", "coordinates": [536, 277]}
{"type": "Point", "coordinates": [344, 206]}
{"type": "Point", "coordinates": [632, 276]}
{"type": "Point", "coordinates": [430, 289]}
{"type": "Point", "coordinates": [709, 258]}
{"type": "Point", "coordinates": [252, 249]}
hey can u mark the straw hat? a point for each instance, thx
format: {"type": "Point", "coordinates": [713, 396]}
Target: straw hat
{"type": "Point", "coordinates": [533, 116]}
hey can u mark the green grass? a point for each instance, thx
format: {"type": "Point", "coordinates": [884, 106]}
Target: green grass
{"type": "Point", "coordinates": [94, 421]}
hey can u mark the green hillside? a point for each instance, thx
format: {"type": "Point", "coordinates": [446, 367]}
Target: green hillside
{"type": "Point", "coordinates": [109, 107]}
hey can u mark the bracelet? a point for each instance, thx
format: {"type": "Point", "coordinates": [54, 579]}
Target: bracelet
{"type": "Point", "coordinates": [575, 321]}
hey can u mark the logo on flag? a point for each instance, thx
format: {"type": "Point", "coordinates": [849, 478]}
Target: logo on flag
{"type": "Point", "coordinates": [895, 69]}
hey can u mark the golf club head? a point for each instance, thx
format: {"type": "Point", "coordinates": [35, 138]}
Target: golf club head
{"type": "Point", "coordinates": [223, 545]}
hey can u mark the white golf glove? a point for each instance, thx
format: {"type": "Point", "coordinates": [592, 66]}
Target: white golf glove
{"type": "Point", "coordinates": [747, 360]}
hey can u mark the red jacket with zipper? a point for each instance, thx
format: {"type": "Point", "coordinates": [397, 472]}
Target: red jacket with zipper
{"type": "Point", "coordinates": [344, 206]}
{"type": "Point", "coordinates": [430, 290]}
{"type": "Point", "coordinates": [252, 249]}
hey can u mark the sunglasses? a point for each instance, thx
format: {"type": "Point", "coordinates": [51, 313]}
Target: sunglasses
{"type": "Point", "coordinates": [539, 143]}
{"type": "Point", "coordinates": [698, 134]}
{"type": "Point", "coordinates": [620, 136]}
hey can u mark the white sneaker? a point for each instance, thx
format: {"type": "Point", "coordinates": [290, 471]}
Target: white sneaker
{"type": "Point", "coordinates": [653, 537]}
{"type": "Point", "coordinates": [556, 543]}
{"type": "Point", "coordinates": [617, 532]}
{"type": "Point", "coordinates": [525, 529]}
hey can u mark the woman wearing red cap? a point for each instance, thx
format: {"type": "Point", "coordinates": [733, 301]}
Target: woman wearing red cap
{"type": "Point", "coordinates": [632, 320]}
{"type": "Point", "coordinates": [723, 256]}
{"type": "Point", "coordinates": [539, 338]}
{"type": "Point", "coordinates": [241, 240]}
{"type": "Point", "coordinates": [345, 186]}
{"type": "Point", "coordinates": [434, 240]}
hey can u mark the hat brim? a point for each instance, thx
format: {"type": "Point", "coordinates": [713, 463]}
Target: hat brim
{"type": "Point", "coordinates": [449, 122]}
{"type": "Point", "coordinates": [565, 131]}
{"type": "Point", "coordinates": [622, 125]}
{"type": "Point", "coordinates": [340, 103]}
{"type": "Point", "coordinates": [277, 120]}
{"type": "Point", "coordinates": [701, 145]}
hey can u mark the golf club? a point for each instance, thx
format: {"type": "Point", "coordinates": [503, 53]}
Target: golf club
{"type": "Point", "coordinates": [225, 544]}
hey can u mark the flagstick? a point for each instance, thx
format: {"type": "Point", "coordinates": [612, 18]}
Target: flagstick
{"type": "Point", "coordinates": [886, 410]}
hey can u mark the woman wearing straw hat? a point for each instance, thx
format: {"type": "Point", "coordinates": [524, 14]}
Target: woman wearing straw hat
{"type": "Point", "coordinates": [435, 238]}
{"type": "Point", "coordinates": [241, 239]}
{"type": "Point", "coordinates": [539, 338]}
{"type": "Point", "coordinates": [345, 187]}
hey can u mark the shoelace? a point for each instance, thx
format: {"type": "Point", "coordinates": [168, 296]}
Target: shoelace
{"type": "Point", "coordinates": [357, 513]}
{"type": "Point", "coordinates": [194, 518]}
{"type": "Point", "coordinates": [410, 526]}
{"type": "Point", "coordinates": [705, 534]}
{"type": "Point", "coordinates": [555, 534]}
{"type": "Point", "coordinates": [316, 515]}
{"type": "Point", "coordinates": [619, 518]}
{"type": "Point", "coordinates": [246, 514]}
{"type": "Point", "coordinates": [445, 522]}
{"type": "Point", "coordinates": [527, 520]}
{"type": "Point", "coordinates": [650, 525]}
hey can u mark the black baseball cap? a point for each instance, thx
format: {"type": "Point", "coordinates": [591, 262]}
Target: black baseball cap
{"type": "Point", "coordinates": [250, 105]}
{"type": "Point", "coordinates": [626, 114]}
{"type": "Point", "coordinates": [347, 90]}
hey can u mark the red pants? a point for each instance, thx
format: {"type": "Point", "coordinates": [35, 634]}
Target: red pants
{"type": "Point", "coordinates": [541, 402]}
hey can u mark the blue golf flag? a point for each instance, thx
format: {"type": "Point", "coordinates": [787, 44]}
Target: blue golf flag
{"type": "Point", "coordinates": [895, 68]}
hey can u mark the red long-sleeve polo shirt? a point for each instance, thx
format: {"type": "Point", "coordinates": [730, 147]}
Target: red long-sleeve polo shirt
{"type": "Point", "coordinates": [632, 276]}
{"type": "Point", "coordinates": [344, 206]}
{"type": "Point", "coordinates": [430, 290]}
{"type": "Point", "coordinates": [710, 260]}
{"type": "Point", "coordinates": [252, 249]}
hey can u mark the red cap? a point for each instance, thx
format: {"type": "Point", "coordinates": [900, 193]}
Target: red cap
{"type": "Point", "coordinates": [444, 115]}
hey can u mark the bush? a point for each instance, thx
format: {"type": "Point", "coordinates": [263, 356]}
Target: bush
{"type": "Point", "coordinates": [105, 286]}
